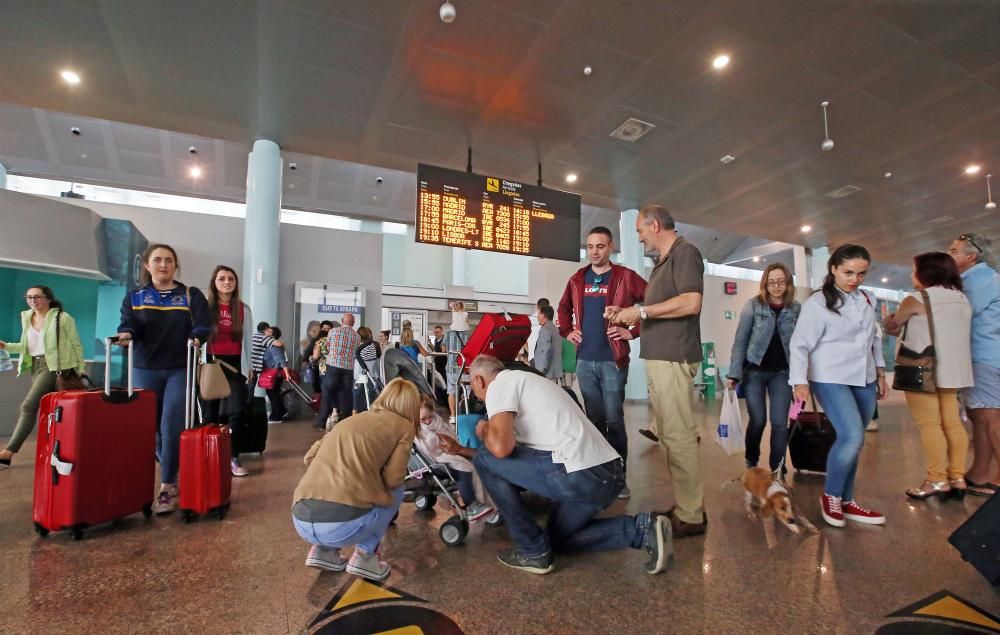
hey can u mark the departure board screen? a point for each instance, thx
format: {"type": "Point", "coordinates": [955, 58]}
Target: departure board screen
{"type": "Point", "coordinates": [462, 209]}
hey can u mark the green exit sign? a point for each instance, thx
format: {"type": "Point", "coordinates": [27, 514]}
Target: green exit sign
{"type": "Point", "coordinates": [730, 315]}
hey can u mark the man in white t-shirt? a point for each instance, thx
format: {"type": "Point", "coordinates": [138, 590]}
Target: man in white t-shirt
{"type": "Point", "coordinates": [538, 439]}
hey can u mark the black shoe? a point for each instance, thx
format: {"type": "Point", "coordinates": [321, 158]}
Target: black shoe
{"type": "Point", "coordinates": [4, 463]}
{"type": "Point", "coordinates": [649, 434]}
{"type": "Point", "coordinates": [516, 560]}
{"type": "Point", "coordinates": [659, 543]}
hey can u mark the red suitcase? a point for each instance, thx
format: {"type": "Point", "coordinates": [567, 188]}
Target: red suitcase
{"type": "Point", "coordinates": [501, 335]}
{"type": "Point", "coordinates": [205, 479]}
{"type": "Point", "coordinates": [95, 460]}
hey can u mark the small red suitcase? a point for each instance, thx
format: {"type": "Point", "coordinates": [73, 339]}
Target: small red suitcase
{"type": "Point", "coordinates": [501, 335]}
{"type": "Point", "coordinates": [206, 479]}
{"type": "Point", "coordinates": [95, 459]}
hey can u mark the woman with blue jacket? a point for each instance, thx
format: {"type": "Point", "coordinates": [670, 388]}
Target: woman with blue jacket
{"type": "Point", "coordinates": [158, 319]}
{"type": "Point", "coordinates": [760, 361]}
{"type": "Point", "coordinates": [44, 351]}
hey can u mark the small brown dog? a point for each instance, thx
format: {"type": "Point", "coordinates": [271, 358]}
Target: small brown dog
{"type": "Point", "coordinates": [771, 496]}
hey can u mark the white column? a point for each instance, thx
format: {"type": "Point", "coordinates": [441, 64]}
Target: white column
{"type": "Point", "coordinates": [817, 266]}
{"type": "Point", "coordinates": [3, 177]}
{"type": "Point", "coordinates": [633, 256]}
{"type": "Point", "coordinates": [801, 266]}
{"type": "Point", "coordinates": [262, 230]}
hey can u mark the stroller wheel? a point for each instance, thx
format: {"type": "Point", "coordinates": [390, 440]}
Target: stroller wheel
{"type": "Point", "coordinates": [494, 519]}
{"type": "Point", "coordinates": [454, 531]}
{"type": "Point", "coordinates": [425, 501]}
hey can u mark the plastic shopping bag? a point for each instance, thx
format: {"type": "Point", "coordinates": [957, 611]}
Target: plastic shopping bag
{"type": "Point", "coordinates": [729, 433]}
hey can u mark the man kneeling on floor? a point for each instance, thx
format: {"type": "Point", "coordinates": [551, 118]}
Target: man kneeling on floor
{"type": "Point", "coordinates": [537, 439]}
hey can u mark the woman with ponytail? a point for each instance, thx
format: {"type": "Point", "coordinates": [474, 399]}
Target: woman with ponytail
{"type": "Point", "coordinates": [836, 352]}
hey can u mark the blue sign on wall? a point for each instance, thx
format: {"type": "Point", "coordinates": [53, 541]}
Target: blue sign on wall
{"type": "Point", "coordinates": [338, 308]}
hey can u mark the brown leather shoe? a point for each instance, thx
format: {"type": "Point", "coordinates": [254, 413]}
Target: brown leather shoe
{"type": "Point", "coordinates": [682, 529]}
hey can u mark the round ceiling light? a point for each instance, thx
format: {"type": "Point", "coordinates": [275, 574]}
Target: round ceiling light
{"type": "Point", "coordinates": [447, 12]}
{"type": "Point", "coordinates": [720, 62]}
{"type": "Point", "coordinates": [973, 168]}
{"type": "Point", "coordinates": [806, 229]}
{"type": "Point", "coordinates": [70, 77]}
{"type": "Point", "coordinates": [195, 172]}
{"type": "Point", "coordinates": [571, 178]}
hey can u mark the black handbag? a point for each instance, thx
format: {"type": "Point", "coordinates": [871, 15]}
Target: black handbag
{"type": "Point", "coordinates": [914, 370]}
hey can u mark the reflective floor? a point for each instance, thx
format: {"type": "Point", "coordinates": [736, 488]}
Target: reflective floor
{"type": "Point", "coordinates": [246, 573]}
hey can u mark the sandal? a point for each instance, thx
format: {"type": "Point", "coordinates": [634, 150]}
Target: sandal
{"type": "Point", "coordinates": [981, 489]}
{"type": "Point", "coordinates": [928, 489]}
{"type": "Point", "coordinates": [958, 488]}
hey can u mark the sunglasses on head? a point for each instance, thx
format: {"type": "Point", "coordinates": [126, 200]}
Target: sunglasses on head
{"type": "Point", "coordinates": [968, 238]}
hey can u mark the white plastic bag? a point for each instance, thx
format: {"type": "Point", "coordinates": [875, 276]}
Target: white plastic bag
{"type": "Point", "coordinates": [729, 433]}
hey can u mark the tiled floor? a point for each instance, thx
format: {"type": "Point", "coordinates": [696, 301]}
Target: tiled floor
{"type": "Point", "coordinates": [246, 574]}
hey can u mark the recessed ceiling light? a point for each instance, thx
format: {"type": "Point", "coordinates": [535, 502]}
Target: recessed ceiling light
{"type": "Point", "coordinates": [756, 258]}
{"type": "Point", "coordinates": [972, 168]}
{"type": "Point", "coordinates": [726, 160]}
{"type": "Point", "coordinates": [885, 280]}
{"type": "Point", "coordinates": [195, 172]}
{"type": "Point", "coordinates": [720, 62]}
{"type": "Point", "coordinates": [70, 77]}
{"type": "Point", "coordinates": [571, 178]}
{"type": "Point", "coordinates": [888, 175]}
{"type": "Point", "coordinates": [83, 156]}
{"type": "Point", "coordinates": [806, 229]}
{"type": "Point", "coordinates": [587, 70]}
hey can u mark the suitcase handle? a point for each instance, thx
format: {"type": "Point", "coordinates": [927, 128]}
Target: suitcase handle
{"type": "Point", "coordinates": [108, 341]}
{"type": "Point", "coordinates": [59, 467]}
{"type": "Point", "coordinates": [191, 383]}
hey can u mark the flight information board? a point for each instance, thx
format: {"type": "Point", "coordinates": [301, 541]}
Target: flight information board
{"type": "Point", "coordinates": [462, 209]}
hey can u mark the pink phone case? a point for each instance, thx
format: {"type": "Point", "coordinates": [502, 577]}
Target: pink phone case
{"type": "Point", "coordinates": [797, 406]}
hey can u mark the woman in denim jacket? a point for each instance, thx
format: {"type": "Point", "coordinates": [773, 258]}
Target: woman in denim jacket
{"type": "Point", "coordinates": [760, 360]}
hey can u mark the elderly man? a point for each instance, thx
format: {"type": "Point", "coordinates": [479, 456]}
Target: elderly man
{"type": "Point", "coordinates": [971, 253]}
{"type": "Point", "coordinates": [537, 439]}
{"type": "Point", "coordinates": [548, 347]}
{"type": "Point", "coordinates": [339, 347]}
{"type": "Point", "coordinates": [671, 346]}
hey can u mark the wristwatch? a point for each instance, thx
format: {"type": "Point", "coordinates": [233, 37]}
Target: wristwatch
{"type": "Point", "coordinates": [642, 312]}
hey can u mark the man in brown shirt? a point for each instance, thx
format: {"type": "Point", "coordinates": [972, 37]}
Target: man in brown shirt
{"type": "Point", "coordinates": [671, 346]}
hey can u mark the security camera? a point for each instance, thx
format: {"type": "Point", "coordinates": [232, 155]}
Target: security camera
{"type": "Point", "coordinates": [378, 180]}
{"type": "Point", "coordinates": [193, 150]}
{"type": "Point", "coordinates": [293, 166]}
{"type": "Point", "coordinates": [447, 12]}
{"type": "Point", "coordinates": [75, 131]}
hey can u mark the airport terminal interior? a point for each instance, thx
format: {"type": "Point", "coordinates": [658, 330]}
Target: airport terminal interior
{"type": "Point", "coordinates": [431, 170]}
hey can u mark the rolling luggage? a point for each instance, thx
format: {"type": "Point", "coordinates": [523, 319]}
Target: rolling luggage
{"type": "Point", "coordinates": [252, 434]}
{"type": "Point", "coordinates": [501, 335]}
{"type": "Point", "coordinates": [978, 540]}
{"type": "Point", "coordinates": [811, 436]}
{"type": "Point", "coordinates": [95, 460]}
{"type": "Point", "coordinates": [206, 478]}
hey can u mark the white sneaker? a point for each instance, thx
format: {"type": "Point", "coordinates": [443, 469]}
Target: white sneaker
{"type": "Point", "coordinates": [368, 566]}
{"type": "Point", "coordinates": [166, 502]}
{"type": "Point", "coordinates": [872, 426]}
{"type": "Point", "coordinates": [237, 469]}
{"type": "Point", "coordinates": [326, 559]}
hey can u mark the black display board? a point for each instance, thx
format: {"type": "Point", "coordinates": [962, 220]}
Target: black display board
{"type": "Point", "coordinates": [462, 209]}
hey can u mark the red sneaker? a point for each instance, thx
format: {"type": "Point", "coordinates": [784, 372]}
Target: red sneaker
{"type": "Point", "coordinates": [857, 513]}
{"type": "Point", "coordinates": [832, 513]}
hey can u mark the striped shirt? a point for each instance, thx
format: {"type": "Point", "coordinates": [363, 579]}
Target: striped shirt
{"type": "Point", "coordinates": [341, 344]}
{"type": "Point", "coordinates": [261, 343]}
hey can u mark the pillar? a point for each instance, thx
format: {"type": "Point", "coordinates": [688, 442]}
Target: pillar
{"type": "Point", "coordinates": [3, 177]}
{"type": "Point", "coordinates": [632, 256]}
{"type": "Point", "coordinates": [817, 266]}
{"type": "Point", "coordinates": [801, 269]}
{"type": "Point", "coordinates": [262, 231]}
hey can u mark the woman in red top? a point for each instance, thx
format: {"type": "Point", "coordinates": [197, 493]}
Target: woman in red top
{"type": "Point", "coordinates": [229, 342]}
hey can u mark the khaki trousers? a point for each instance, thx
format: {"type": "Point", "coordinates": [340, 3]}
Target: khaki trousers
{"type": "Point", "coordinates": [43, 381]}
{"type": "Point", "coordinates": [670, 392]}
{"type": "Point", "coordinates": [946, 444]}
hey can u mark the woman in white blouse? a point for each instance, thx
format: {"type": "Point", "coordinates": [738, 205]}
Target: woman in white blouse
{"type": "Point", "coordinates": [946, 444]}
{"type": "Point", "coordinates": [836, 351]}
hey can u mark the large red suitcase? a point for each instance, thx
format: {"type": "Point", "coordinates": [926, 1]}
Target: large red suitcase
{"type": "Point", "coordinates": [95, 460]}
{"type": "Point", "coordinates": [205, 479]}
{"type": "Point", "coordinates": [501, 335]}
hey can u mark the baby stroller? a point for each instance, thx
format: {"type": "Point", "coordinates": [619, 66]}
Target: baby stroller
{"type": "Point", "coordinates": [426, 481]}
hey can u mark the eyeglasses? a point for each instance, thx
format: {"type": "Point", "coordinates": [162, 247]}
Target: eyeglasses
{"type": "Point", "coordinates": [34, 298]}
{"type": "Point", "coordinates": [968, 238]}
{"type": "Point", "coordinates": [776, 283]}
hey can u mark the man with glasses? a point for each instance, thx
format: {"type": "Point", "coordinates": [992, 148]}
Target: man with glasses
{"type": "Point", "coordinates": [972, 253]}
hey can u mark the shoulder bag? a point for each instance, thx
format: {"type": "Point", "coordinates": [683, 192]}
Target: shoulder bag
{"type": "Point", "coordinates": [915, 370]}
{"type": "Point", "coordinates": [212, 380]}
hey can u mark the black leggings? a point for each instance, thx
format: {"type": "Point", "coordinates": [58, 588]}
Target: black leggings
{"type": "Point", "coordinates": [277, 404]}
{"type": "Point", "coordinates": [234, 403]}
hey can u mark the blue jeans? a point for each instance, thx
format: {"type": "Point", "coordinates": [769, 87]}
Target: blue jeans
{"type": "Point", "coordinates": [603, 387]}
{"type": "Point", "coordinates": [757, 386]}
{"type": "Point", "coordinates": [576, 498]}
{"type": "Point", "coordinates": [366, 532]}
{"type": "Point", "coordinates": [849, 408]}
{"type": "Point", "coordinates": [169, 387]}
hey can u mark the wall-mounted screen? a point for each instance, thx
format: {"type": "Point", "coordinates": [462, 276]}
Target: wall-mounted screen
{"type": "Point", "coordinates": [462, 209]}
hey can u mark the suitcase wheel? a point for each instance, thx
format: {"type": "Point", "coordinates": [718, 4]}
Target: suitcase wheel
{"type": "Point", "coordinates": [187, 515]}
{"type": "Point", "coordinates": [147, 510]}
{"type": "Point", "coordinates": [41, 531]}
{"type": "Point", "coordinates": [77, 533]}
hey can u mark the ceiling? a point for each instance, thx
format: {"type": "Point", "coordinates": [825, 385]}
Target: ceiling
{"type": "Point", "coordinates": [914, 89]}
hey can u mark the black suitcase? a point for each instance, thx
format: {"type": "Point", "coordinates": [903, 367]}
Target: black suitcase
{"type": "Point", "coordinates": [978, 540]}
{"type": "Point", "coordinates": [252, 434]}
{"type": "Point", "coordinates": [810, 440]}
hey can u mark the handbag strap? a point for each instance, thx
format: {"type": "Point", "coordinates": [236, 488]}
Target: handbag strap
{"type": "Point", "coordinates": [58, 361]}
{"type": "Point", "coordinates": [930, 315]}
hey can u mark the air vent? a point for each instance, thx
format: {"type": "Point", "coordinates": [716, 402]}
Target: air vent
{"type": "Point", "coordinates": [632, 130]}
{"type": "Point", "coordinates": [843, 192]}
{"type": "Point", "coordinates": [940, 220]}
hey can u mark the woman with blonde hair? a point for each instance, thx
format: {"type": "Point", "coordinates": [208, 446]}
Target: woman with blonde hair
{"type": "Point", "coordinates": [353, 484]}
{"type": "Point", "coordinates": [759, 360]}
{"type": "Point", "coordinates": [410, 345]}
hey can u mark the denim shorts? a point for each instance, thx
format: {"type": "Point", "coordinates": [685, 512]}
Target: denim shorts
{"type": "Point", "coordinates": [986, 391]}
